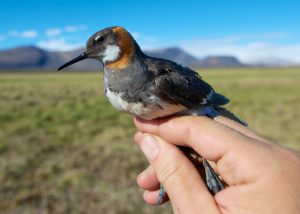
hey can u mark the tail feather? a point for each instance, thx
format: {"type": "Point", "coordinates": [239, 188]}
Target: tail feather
{"type": "Point", "coordinates": [214, 111]}
{"type": "Point", "coordinates": [226, 113]}
{"type": "Point", "coordinates": [218, 99]}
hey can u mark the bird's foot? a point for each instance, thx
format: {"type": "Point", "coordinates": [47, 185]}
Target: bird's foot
{"type": "Point", "coordinates": [161, 195]}
{"type": "Point", "coordinates": [213, 181]}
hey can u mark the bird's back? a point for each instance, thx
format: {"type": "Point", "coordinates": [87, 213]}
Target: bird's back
{"type": "Point", "coordinates": [182, 84]}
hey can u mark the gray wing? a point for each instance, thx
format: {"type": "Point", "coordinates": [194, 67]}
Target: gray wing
{"type": "Point", "coordinates": [182, 85]}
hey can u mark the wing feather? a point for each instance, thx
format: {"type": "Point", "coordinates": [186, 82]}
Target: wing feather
{"type": "Point", "coordinates": [183, 85]}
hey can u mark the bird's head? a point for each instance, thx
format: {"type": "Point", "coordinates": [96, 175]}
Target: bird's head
{"type": "Point", "coordinates": [114, 47]}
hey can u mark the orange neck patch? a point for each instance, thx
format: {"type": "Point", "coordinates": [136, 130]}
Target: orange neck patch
{"type": "Point", "coordinates": [126, 45]}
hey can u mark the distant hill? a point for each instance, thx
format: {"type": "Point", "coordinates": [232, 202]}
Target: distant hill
{"type": "Point", "coordinates": [175, 54]}
{"type": "Point", "coordinates": [34, 58]}
{"type": "Point", "coordinates": [178, 55]}
{"type": "Point", "coordinates": [23, 57]}
{"type": "Point", "coordinates": [221, 61]}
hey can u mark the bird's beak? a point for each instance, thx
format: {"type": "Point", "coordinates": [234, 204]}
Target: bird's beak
{"type": "Point", "coordinates": [83, 56]}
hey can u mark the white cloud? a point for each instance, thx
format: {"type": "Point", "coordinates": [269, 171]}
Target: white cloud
{"type": "Point", "coordinates": [24, 34]}
{"type": "Point", "coordinates": [248, 49]}
{"type": "Point", "coordinates": [53, 32]}
{"type": "Point", "coordinates": [59, 44]}
{"type": "Point", "coordinates": [50, 32]}
{"type": "Point", "coordinates": [71, 29]}
{"type": "Point", "coordinates": [29, 34]}
{"type": "Point", "coordinates": [74, 28]}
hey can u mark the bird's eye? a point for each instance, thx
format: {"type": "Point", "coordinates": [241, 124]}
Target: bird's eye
{"type": "Point", "coordinates": [99, 39]}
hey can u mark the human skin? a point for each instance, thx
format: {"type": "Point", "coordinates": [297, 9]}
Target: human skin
{"type": "Point", "coordinates": [262, 177]}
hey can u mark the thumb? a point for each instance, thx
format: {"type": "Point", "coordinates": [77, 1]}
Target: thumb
{"type": "Point", "coordinates": [177, 174]}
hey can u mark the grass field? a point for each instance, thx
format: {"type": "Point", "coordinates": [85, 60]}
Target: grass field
{"type": "Point", "coordinates": [64, 149]}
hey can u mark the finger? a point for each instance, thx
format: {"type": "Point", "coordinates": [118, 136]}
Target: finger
{"type": "Point", "coordinates": [240, 128]}
{"type": "Point", "coordinates": [151, 197]}
{"type": "Point", "coordinates": [212, 140]}
{"type": "Point", "coordinates": [176, 173]}
{"type": "Point", "coordinates": [148, 180]}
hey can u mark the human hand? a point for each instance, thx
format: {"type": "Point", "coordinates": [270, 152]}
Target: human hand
{"type": "Point", "coordinates": [262, 177]}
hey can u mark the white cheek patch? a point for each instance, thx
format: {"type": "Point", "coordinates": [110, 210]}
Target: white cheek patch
{"type": "Point", "coordinates": [111, 53]}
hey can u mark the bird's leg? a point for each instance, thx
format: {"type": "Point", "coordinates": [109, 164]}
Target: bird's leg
{"type": "Point", "coordinates": [213, 182]}
{"type": "Point", "coordinates": [161, 195]}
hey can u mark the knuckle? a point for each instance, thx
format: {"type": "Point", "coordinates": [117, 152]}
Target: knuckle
{"type": "Point", "coordinates": [167, 174]}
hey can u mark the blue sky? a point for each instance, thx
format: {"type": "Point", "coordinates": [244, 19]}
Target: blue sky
{"type": "Point", "coordinates": [251, 30]}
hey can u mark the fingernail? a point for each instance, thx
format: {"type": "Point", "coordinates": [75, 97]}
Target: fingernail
{"type": "Point", "coordinates": [150, 147]}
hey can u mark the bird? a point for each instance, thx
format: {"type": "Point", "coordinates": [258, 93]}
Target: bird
{"type": "Point", "coordinates": [151, 88]}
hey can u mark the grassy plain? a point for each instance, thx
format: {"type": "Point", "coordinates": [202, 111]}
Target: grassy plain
{"type": "Point", "coordinates": [64, 149]}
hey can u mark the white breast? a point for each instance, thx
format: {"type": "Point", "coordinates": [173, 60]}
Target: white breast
{"type": "Point", "coordinates": [122, 105]}
{"type": "Point", "coordinates": [156, 109]}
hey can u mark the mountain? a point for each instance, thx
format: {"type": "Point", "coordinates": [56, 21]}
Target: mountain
{"type": "Point", "coordinates": [178, 55]}
{"type": "Point", "coordinates": [175, 54]}
{"type": "Point", "coordinates": [23, 57]}
{"type": "Point", "coordinates": [34, 58]}
{"type": "Point", "coordinates": [221, 61]}
{"type": "Point", "coordinates": [273, 62]}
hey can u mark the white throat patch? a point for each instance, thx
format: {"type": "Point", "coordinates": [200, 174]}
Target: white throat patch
{"type": "Point", "coordinates": [111, 53]}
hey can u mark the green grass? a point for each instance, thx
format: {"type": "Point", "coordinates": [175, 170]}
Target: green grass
{"type": "Point", "coordinates": [64, 149]}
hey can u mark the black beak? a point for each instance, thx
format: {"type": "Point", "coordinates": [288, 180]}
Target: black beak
{"type": "Point", "coordinates": [83, 56]}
